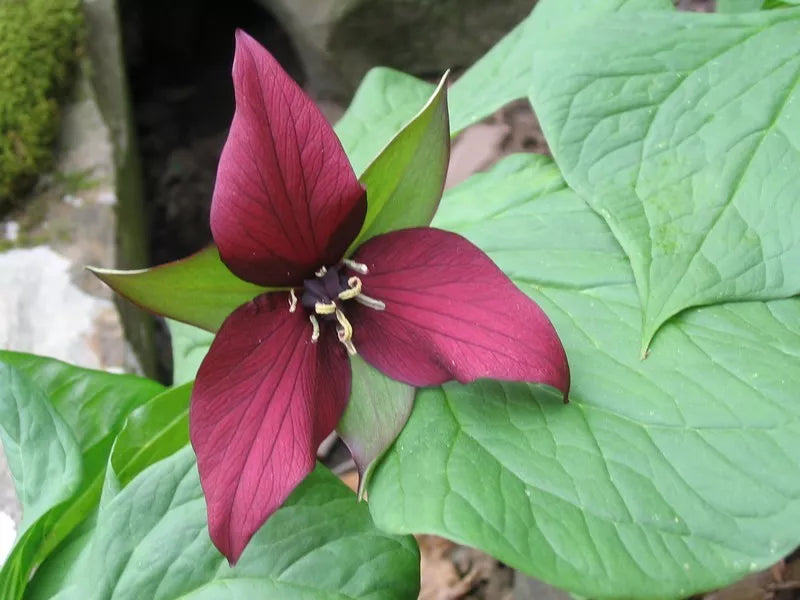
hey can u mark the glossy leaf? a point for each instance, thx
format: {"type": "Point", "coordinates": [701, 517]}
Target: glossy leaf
{"type": "Point", "coordinates": [734, 6]}
{"type": "Point", "coordinates": [504, 73]}
{"type": "Point", "coordinates": [55, 578]}
{"type": "Point", "coordinates": [93, 403]}
{"type": "Point", "coordinates": [376, 413]}
{"type": "Point", "coordinates": [509, 184]}
{"type": "Point", "coordinates": [499, 77]}
{"type": "Point", "coordinates": [662, 477]}
{"type": "Point", "coordinates": [152, 432]}
{"type": "Point", "coordinates": [45, 462]}
{"type": "Point", "coordinates": [43, 454]}
{"type": "Point", "coordinates": [683, 131]}
{"type": "Point", "coordinates": [189, 347]}
{"type": "Point", "coordinates": [198, 290]}
{"type": "Point", "coordinates": [737, 6]}
{"type": "Point", "coordinates": [151, 542]}
{"type": "Point", "coordinates": [385, 101]}
{"type": "Point", "coordinates": [92, 406]}
{"type": "Point", "coordinates": [405, 182]}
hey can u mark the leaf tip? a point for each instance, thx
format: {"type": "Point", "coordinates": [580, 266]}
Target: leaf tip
{"type": "Point", "coordinates": [104, 275]}
{"type": "Point", "coordinates": [98, 272]}
{"type": "Point", "coordinates": [648, 332]}
{"type": "Point", "coordinates": [361, 490]}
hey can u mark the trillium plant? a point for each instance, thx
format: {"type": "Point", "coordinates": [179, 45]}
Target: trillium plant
{"type": "Point", "coordinates": [586, 366]}
{"type": "Point", "coordinates": [421, 305]}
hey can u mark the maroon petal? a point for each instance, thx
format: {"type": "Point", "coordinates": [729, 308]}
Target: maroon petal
{"type": "Point", "coordinates": [264, 399]}
{"type": "Point", "coordinates": [286, 200]}
{"type": "Point", "coordinates": [451, 313]}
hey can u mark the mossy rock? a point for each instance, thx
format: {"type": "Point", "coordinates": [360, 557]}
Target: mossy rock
{"type": "Point", "coordinates": [39, 42]}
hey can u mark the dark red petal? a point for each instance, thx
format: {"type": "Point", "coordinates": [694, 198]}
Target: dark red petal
{"type": "Point", "coordinates": [451, 313]}
{"type": "Point", "coordinates": [264, 399]}
{"type": "Point", "coordinates": [286, 200]}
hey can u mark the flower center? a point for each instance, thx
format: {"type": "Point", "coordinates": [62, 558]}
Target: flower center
{"type": "Point", "coordinates": [324, 296]}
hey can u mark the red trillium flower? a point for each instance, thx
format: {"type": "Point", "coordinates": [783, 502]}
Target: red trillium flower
{"type": "Point", "coordinates": [421, 305]}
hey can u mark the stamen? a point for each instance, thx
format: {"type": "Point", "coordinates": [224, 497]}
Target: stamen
{"type": "Point", "coordinates": [351, 349]}
{"type": "Point", "coordinates": [322, 270]}
{"type": "Point", "coordinates": [355, 266]}
{"type": "Point", "coordinates": [322, 308]}
{"type": "Point", "coordinates": [346, 332]}
{"type": "Point", "coordinates": [370, 302]}
{"type": "Point", "coordinates": [292, 300]}
{"type": "Point", "coordinates": [355, 289]}
{"type": "Point", "coordinates": [314, 329]}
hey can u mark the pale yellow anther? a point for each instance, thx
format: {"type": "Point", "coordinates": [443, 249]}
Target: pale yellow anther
{"type": "Point", "coordinates": [355, 289]}
{"type": "Point", "coordinates": [355, 266]}
{"type": "Point", "coordinates": [321, 308]}
{"type": "Point", "coordinates": [346, 330]}
{"type": "Point", "coordinates": [292, 300]}
{"type": "Point", "coordinates": [370, 302]}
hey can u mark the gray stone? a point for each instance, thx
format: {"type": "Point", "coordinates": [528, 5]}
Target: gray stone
{"type": "Point", "coordinates": [52, 316]}
{"type": "Point", "coordinates": [88, 212]}
{"type": "Point", "coordinates": [339, 40]}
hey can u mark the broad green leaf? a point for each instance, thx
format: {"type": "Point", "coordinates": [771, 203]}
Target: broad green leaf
{"type": "Point", "coordinates": [661, 478]}
{"type": "Point", "coordinates": [189, 347]}
{"type": "Point", "coordinates": [385, 101]}
{"type": "Point", "coordinates": [376, 413]}
{"type": "Point", "coordinates": [42, 453]}
{"type": "Point", "coordinates": [152, 432]}
{"type": "Point", "coordinates": [91, 406]}
{"type": "Point", "coordinates": [510, 183]}
{"type": "Point", "coordinates": [682, 131]}
{"type": "Point", "coordinates": [499, 77]}
{"type": "Point", "coordinates": [151, 541]}
{"type": "Point", "coordinates": [199, 289]}
{"type": "Point", "coordinates": [45, 462]}
{"type": "Point", "coordinates": [504, 73]}
{"type": "Point", "coordinates": [56, 576]}
{"type": "Point", "coordinates": [93, 403]}
{"type": "Point", "coordinates": [737, 6]}
{"type": "Point", "coordinates": [405, 182]}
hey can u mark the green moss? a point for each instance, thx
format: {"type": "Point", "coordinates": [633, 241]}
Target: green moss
{"type": "Point", "coordinates": [38, 48]}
